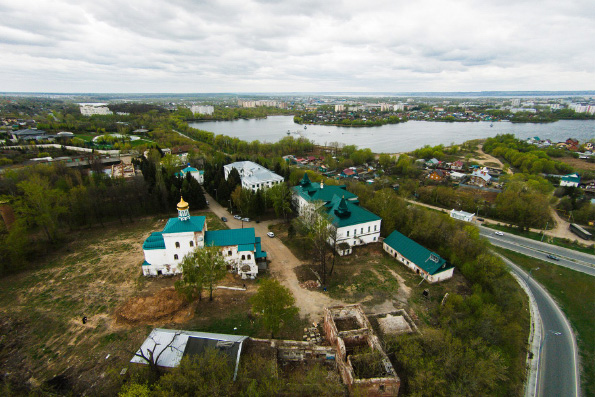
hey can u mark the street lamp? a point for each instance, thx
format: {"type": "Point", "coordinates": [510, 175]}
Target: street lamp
{"type": "Point", "coordinates": [216, 195]}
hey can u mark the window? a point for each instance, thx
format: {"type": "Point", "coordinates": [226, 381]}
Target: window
{"type": "Point", "coordinates": [175, 257]}
{"type": "Point", "coordinates": [249, 256]}
{"type": "Point", "coordinates": [229, 253]}
{"type": "Point", "coordinates": [361, 231]}
{"type": "Point", "coordinates": [374, 239]}
{"type": "Point", "coordinates": [375, 226]}
{"type": "Point", "coordinates": [192, 243]}
{"type": "Point", "coordinates": [354, 232]}
{"type": "Point", "coordinates": [243, 257]}
{"type": "Point", "coordinates": [368, 229]}
{"type": "Point", "coordinates": [348, 233]}
{"type": "Point", "coordinates": [177, 244]}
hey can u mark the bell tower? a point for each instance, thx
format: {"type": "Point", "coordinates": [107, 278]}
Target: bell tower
{"type": "Point", "coordinates": [183, 210]}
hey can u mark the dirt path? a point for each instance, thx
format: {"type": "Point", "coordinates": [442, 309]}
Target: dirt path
{"type": "Point", "coordinates": [281, 265]}
{"type": "Point", "coordinates": [484, 158]}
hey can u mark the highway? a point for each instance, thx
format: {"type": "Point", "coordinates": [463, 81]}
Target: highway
{"type": "Point", "coordinates": [571, 259]}
{"type": "Point", "coordinates": [558, 373]}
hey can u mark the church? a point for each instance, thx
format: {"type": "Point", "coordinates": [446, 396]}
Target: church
{"type": "Point", "coordinates": [165, 250]}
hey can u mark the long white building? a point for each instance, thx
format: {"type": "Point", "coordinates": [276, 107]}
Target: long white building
{"type": "Point", "coordinates": [254, 176]}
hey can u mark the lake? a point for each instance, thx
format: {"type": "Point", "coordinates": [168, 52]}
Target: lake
{"type": "Point", "coordinates": [395, 138]}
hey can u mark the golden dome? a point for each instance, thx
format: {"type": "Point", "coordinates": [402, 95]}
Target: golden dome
{"type": "Point", "coordinates": [182, 205]}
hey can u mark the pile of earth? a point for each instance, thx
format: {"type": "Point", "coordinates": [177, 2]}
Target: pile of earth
{"type": "Point", "coordinates": [165, 304]}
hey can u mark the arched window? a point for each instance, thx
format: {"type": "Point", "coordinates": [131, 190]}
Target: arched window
{"type": "Point", "coordinates": [175, 257]}
{"type": "Point", "coordinates": [192, 243]}
{"type": "Point", "coordinates": [177, 244]}
{"type": "Point", "coordinates": [249, 256]}
{"type": "Point", "coordinates": [243, 257]}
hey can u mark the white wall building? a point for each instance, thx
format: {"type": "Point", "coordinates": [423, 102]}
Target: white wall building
{"type": "Point", "coordinates": [165, 250]}
{"type": "Point", "coordinates": [254, 176]}
{"type": "Point", "coordinates": [199, 175]}
{"type": "Point", "coordinates": [90, 110]}
{"type": "Point", "coordinates": [416, 257]}
{"type": "Point", "coordinates": [202, 109]}
{"type": "Point", "coordinates": [462, 215]}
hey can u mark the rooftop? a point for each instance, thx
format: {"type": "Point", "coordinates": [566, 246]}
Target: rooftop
{"type": "Point", "coordinates": [429, 261]}
{"type": "Point", "coordinates": [345, 213]}
{"type": "Point", "coordinates": [194, 224]}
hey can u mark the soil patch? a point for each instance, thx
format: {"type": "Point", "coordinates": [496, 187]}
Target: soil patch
{"type": "Point", "coordinates": [579, 164]}
{"type": "Point", "coordinates": [164, 304]}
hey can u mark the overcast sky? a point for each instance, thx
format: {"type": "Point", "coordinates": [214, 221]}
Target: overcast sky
{"type": "Point", "coordinates": [296, 46]}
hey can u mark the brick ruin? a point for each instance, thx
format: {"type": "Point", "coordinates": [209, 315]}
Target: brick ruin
{"type": "Point", "coordinates": [360, 358]}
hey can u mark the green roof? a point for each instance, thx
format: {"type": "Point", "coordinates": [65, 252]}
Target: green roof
{"type": "Point", "coordinates": [259, 252]}
{"type": "Point", "coordinates": [154, 242]}
{"type": "Point", "coordinates": [246, 247]}
{"type": "Point", "coordinates": [221, 238]}
{"type": "Point", "coordinates": [345, 213]}
{"type": "Point", "coordinates": [572, 178]}
{"type": "Point", "coordinates": [416, 253]}
{"type": "Point", "coordinates": [194, 224]}
{"type": "Point", "coordinates": [312, 191]}
{"type": "Point", "coordinates": [189, 169]}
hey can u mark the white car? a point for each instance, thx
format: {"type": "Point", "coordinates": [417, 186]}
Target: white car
{"type": "Point", "coordinates": [246, 219]}
{"type": "Point", "coordinates": [271, 234]}
{"type": "Point", "coordinates": [499, 233]}
{"type": "Point", "coordinates": [237, 217]}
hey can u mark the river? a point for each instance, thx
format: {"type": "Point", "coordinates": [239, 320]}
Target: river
{"type": "Point", "coordinates": [396, 138]}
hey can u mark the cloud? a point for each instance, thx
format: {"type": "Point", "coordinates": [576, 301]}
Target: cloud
{"type": "Point", "coordinates": [265, 45]}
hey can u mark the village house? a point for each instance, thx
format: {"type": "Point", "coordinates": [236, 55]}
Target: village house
{"type": "Point", "coordinates": [457, 165]}
{"type": "Point", "coordinates": [348, 173]}
{"type": "Point", "coordinates": [422, 261]}
{"type": "Point", "coordinates": [165, 250]}
{"type": "Point", "coordinates": [438, 175]}
{"type": "Point", "coordinates": [254, 176]}
{"type": "Point", "coordinates": [481, 177]}
{"type": "Point", "coordinates": [571, 180]}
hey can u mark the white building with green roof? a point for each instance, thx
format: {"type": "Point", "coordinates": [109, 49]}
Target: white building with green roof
{"type": "Point", "coordinates": [354, 225]}
{"type": "Point", "coordinates": [199, 175]}
{"type": "Point", "coordinates": [416, 257]}
{"type": "Point", "coordinates": [165, 250]}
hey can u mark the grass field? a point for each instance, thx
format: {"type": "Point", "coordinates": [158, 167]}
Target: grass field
{"type": "Point", "coordinates": [575, 293]}
{"type": "Point", "coordinates": [41, 330]}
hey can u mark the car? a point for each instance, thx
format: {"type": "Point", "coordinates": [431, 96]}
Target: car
{"type": "Point", "coordinates": [499, 233]}
{"type": "Point", "coordinates": [207, 202]}
{"type": "Point", "coordinates": [246, 219]}
{"type": "Point", "coordinates": [480, 219]}
{"type": "Point", "coordinates": [224, 219]}
{"type": "Point", "coordinates": [237, 217]}
{"type": "Point", "coordinates": [553, 257]}
{"type": "Point", "coordinates": [271, 234]}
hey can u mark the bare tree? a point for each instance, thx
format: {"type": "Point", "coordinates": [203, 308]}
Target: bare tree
{"type": "Point", "coordinates": [149, 354]}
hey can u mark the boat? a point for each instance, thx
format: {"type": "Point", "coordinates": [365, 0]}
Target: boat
{"type": "Point", "coordinates": [288, 132]}
{"type": "Point", "coordinates": [305, 127]}
{"type": "Point", "coordinates": [491, 124]}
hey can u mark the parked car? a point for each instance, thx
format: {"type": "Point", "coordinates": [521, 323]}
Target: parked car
{"type": "Point", "coordinates": [553, 257]}
{"type": "Point", "coordinates": [499, 233]}
{"type": "Point", "coordinates": [246, 219]}
{"type": "Point", "coordinates": [224, 219]}
{"type": "Point", "coordinates": [271, 234]}
{"type": "Point", "coordinates": [237, 217]}
{"type": "Point", "coordinates": [480, 219]}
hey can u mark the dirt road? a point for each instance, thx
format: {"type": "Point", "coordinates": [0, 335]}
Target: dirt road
{"type": "Point", "coordinates": [281, 264]}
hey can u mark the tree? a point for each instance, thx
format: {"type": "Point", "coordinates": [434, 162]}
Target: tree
{"type": "Point", "coordinates": [201, 268]}
{"type": "Point", "coordinates": [151, 356]}
{"type": "Point", "coordinates": [281, 197]}
{"type": "Point", "coordinates": [275, 304]}
{"type": "Point", "coordinates": [319, 234]}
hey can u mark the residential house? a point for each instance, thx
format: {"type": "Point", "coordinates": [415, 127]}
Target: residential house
{"type": "Point", "coordinates": [422, 261]}
{"type": "Point", "coordinates": [31, 134]}
{"type": "Point", "coordinates": [481, 177]}
{"type": "Point", "coordinates": [254, 176]}
{"type": "Point", "coordinates": [589, 146]}
{"type": "Point", "coordinates": [572, 180]}
{"type": "Point", "coordinates": [457, 165]}
{"type": "Point", "coordinates": [438, 175]}
{"type": "Point", "coordinates": [457, 176]}
{"type": "Point", "coordinates": [432, 163]}
{"type": "Point", "coordinates": [462, 215]}
{"type": "Point", "coordinates": [348, 173]}
{"type": "Point", "coordinates": [165, 250]}
{"type": "Point", "coordinates": [308, 196]}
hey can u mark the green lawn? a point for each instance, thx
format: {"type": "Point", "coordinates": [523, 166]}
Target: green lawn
{"type": "Point", "coordinates": [575, 293]}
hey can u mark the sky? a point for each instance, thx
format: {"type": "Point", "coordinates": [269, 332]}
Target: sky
{"type": "Point", "coordinates": [184, 46]}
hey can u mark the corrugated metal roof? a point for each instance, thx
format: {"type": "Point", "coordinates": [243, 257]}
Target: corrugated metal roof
{"type": "Point", "coordinates": [345, 213]}
{"type": "Point", "coordinates": [194, 224]}
{"type": "Point", "coordinates": [221, 238]}
{"type": "Point", "coordinates": [312, 191]}
{"type": "Point", "coordinates": [246, 247]}
{"type": "Point", "coordinates": [186, 342]}
{"type": "Point", "coordinates": [154, 241]}
{"type": "Point", "coordinates": [416, 253]}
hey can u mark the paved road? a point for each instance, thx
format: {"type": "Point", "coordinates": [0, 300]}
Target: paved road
{"type": "Point", "coordinates": [571, 259]}
{"type": "Point", "coordinates": [558, 359]}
